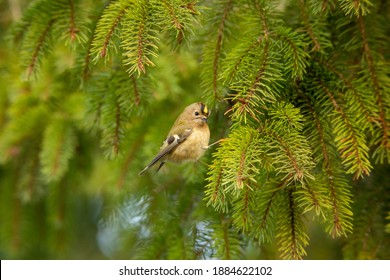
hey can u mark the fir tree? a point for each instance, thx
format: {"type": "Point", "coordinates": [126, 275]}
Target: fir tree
{"type": "Point", "coordinates": [299, 92]}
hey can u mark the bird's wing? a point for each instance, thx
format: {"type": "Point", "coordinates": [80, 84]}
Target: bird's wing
{"type": "Point", "coordinates": [169, 144]}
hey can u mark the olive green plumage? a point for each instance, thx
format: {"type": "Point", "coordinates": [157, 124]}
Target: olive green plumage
{"type": "Point", "coordinates": [188, 138]}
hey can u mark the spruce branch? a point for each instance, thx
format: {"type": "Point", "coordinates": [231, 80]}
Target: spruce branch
{"type": "Point", "coordinates": [322, 7]}
{"type": "Point", "coordinates": [242, 209]}
{"type": "Point", "coordinates": [286, 161]}
{"type": "Point", "coordinates": [85, 61]}
{"type": "Point", "coordinates": [44, 18]}
{"type": "Point", "coordinates": [288, 149]}
{"type": "Point", "coordinates": [106, 28]}
{"type": "Point", "coordinates": [226, 240]}
{"type": "Point", "coordinates": [266, 207]}
{"type": "Point", "coordinates": [383, 149]}
{"type": "Point", "coordinates": [139, 38]}
{"type": "Point", "coordinates": [69, 20]}
{"type": "Point", "coordinates": [173, 16]}
{"type": "Point", "coordinates": [369, 240]}
{"type": "Point", "coordinates": [237, 57]}
{"type": "Point", "coordinates": [309, 26]}
{"type": "Point", "coordinates": [112, 125]}
{"type": "Point", "coordinates": [218, 46]}
{"type": "Point", "coordinates": [114, 102]}
{"type": "Point", "coordinates": [28, 187]}
{"type": "Point", "coordinates": [294, 49]}
{"type": "Point", "coordinates": [291, 231]}
{"type": "Point", "coordinates": [21, 127]}
{"type": "Point", "coordinates": [58, 147]}
{"type": "Point", "coordinates": [213, 51]}
{"type": "Point", "coordinates": [312, 195]}
{"type": "Point", "coordinates": [338, 200]}
{"type": "Point", "coordinates": [357, 8]}
{"type": "Point", "coordinates": [129, 157]}
{"type": "Point", "coordinates": [359, 99]}
{"type": "Point", "coordinates": [41, 47]}
{"type": "Point", "coordinates": [240, 156]}
{"type": "Point", "coordinates": [350, 140]}
{"type": "Point", "coordinates": [21, 28]}
{"type": "Point", "coordinates": [214, 193]}
{"type": "Point", "coordinates": [73, 30]}
{"type": "Point", "coordinates": [254, 84]}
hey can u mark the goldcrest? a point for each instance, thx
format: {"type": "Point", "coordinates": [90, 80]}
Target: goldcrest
{"type": "Point", "coordinates": [188, 138]}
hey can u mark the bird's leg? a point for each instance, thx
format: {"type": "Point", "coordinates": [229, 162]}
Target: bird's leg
{"type": "Point", "coordinates": [203, 163]}
{"type": "Point", "coordinates": [216, 142]}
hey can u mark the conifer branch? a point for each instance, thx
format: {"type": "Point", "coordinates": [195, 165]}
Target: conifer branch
{"type": "Point", "coordinates": [86, 62]}
{"type": "Point", "coordinates": [385, 143]}
{"type": "Point", "coordinates": [357, 7]}
{"type": "Point", "coordinates": [352, 147]}
{"type": "Point", "coordinates": [137, 98]}
{"type": "Point", "coordinates": [106, 28]}
{"type": "Point", "coordinates": [291, 230]}
{"type": "Point", "coordinates": [308, 26]}
{"type": "Point", "coordinates": [214, 193]}
{"type": "Point", "coordinates": [85, 57]}
{"type": "Point", "coordinates": [362, 103]}
{"type": "Point", "coordinates": [259, 76]}
{"type": "Point", "coordinates": [263, 18]}
{"type": "Point", "coordinates": [339, 196]}
{"type": "Point", "coordinates": [324, 5]}
{"type": "Point", "coordinates": [311, 196]}
{"type": "Point", "coordinates": [117, 128]}
{"type": "Point", "coordinates": [58, 147]}
{"type": "Point", "coordinates": [128, 161]}
{"type": "Point", "coordinates": [232, 71]}
{"type": "Point", "coordinates": [293, 250]}
{"type": "Point", "coordinates": [338, 228]}
{"type": "Point", "coordinates": [69, 20]}
{"type": "Point", "coordinates": [267, 210]}
{"type": "Point", "coordinates": [266, 200]}
{"type": "Point", "coordinates": [294, 51]}
{"type": "Point", "coordinates": [38, 49]}
{"type": "Point", "coordinates": [227, 254]}
{"type": "Point", "coordinates": [242, 215]}
{"type": "Point", "coordinates": [73, 30]}
{"type": "Point", "coordinates": [218, 46]}
{"type": "Point", "coordinates": [254, 84]}
{"type": "Point", "coordinates": [109, 35]}
{"type": "Point", "coordinates": [297, 173]}
{"type": "Point", "coordinates": [175, 21]}
{"type": "Point", "coordinates": [21, 28]}
{"type": "Point", "coordinates": [225, 239]}
{"type": "Point", "coordinates": [139, 38]}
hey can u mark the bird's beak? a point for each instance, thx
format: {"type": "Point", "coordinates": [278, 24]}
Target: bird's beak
{"type": "Point", "coordinates": [204, 119]}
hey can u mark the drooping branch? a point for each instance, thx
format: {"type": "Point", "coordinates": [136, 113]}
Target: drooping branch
{"type": "Point", "coordinates": [376, 84]}
{"type": "Point", "coordinates": [38, 48]}
{"type": "Point", "coordinates": [218, 46]}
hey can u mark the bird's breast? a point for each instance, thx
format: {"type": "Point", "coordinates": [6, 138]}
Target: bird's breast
{"type": "Point", "coordinates": [193, 147]}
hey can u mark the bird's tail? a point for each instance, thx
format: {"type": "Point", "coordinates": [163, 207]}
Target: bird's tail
{"type": "Point", "coordinates": [150, 165]}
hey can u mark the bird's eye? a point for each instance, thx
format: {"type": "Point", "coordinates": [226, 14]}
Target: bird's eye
{"type": "Point", "coordinates": [196, 113]}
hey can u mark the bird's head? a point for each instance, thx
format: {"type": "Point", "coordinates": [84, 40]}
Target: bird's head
{"type": "Point", "coordinates": [197, 112]}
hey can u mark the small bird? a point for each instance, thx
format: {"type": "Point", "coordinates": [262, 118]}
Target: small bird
{"type": "Point", "coordinates": [188, 138]}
